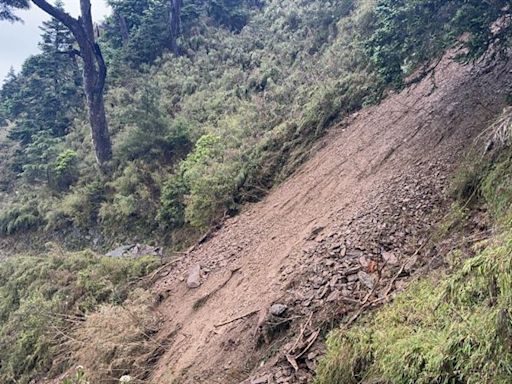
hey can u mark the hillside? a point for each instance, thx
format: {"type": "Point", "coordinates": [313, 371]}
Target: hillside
{"type": "Point", "coordinates": [291, 192]}
{"type": "Point", "coordinates": [376, 185]}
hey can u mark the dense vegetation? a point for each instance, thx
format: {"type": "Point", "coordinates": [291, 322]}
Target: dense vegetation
{"type": "Point", "coordinates": [195, 134]}
{"type": "Point", "coordinates": [200, 129]}
{"type": "Point", "coordinates": [41, 298]}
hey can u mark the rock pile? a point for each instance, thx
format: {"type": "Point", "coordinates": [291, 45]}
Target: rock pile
{"type": "Point", "coordinates": [358, 264]}
{"type": "Point", "coordinates": [135, 251]}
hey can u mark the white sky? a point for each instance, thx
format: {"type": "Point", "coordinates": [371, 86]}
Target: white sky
{"type": "Point", "coordinates": [19, 40]}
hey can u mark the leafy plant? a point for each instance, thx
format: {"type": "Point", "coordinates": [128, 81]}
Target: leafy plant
{"type": "Point", "coordinates": [39, 296]}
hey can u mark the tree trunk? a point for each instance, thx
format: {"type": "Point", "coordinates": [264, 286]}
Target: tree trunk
{"type": "Point", "coordinates": [94, 74]}
{"type": "Point", "coordinates": [174, 24]}
{"type": "Point", "coordinates": [94, 83]}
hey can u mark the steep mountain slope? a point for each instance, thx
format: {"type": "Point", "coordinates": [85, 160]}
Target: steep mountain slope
{"type": "Point", "coordinates": [346, 230]}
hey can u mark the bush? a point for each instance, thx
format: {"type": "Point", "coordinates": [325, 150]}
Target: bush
{"type": "Point", "coordinates": [82, 205]}
{"type": "Point", "coordinates": [212, 179]}
{"type": "Point", "coordinates": [41, 297]}
{"type": "Point", "coordinates": [20, 217]}
{"type": "Point", "coordinates": [64, 171]}
{"type": "Point", "coordinates": [172, 203]}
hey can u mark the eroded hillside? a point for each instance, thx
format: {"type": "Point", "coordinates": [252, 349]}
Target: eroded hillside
{"type": "Point", "coordinates": [340, 236]}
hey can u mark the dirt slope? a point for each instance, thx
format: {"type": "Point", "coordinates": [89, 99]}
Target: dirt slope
{"type": "Point", "coordinates": [327, 241]}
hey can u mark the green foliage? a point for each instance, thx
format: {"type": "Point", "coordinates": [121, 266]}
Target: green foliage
{"type": "Point", "coordinates": [38, 296]}
{"type": "Point", "coordinates": [497, 190]}
{"type": "Point", "coordinates": [82, 205]}
{"type": "Point", "coordinates": [211, 181]}
{"type": "Point", "coordinates": [410, 34]}
{"type": "Point", "coordinates": [65, 169]}
{"type": "Point", "coordinates": [20, 217]}
{"type": "Point", "coordinates": [41, 102]}
{"type": "Point", "coordinates": [148, 132]}
{"type": "Point", "coordinates": [172, 210]}
{"type": "Point", "coordinates": [133, 202]}
{"type": "Point", "coordinates": [148, 25]}
{"type": "Point", "coordinates": [197, 134]}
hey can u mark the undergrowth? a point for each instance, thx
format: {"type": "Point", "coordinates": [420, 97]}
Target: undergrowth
{"type": "Point", "coordinates": [453, 327]}
{"type": "Point", "coordinates": [42, 298]}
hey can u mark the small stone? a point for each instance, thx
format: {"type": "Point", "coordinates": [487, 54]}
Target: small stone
{"type": "Point", "coordinates": [335, 247]}
{"type": "Point", "coordinates": [366, 279]}
{"type": "Point", "coordinates": [315, 232]}
{"type": "Point", "coordinates": [311, 365]}
{"type": "Point", "coordinates": [363, 261]}
{"type": "Point", "coordinates": [194, 277]}
{"type": "Point", "coordinates": [330, 263]}
{"type": "Point", "coordinates": [260, 380]}
{"type": "Point", "coordinates": [333, 296]}
{"type": "Point", "coordinates": [390, 258]}
{"type": "Point", "coordinates": [278, 309]}
{"type": "Point", "coordinates": [351, 278]}
{"type": "Point", "coordinates": [354, 253]}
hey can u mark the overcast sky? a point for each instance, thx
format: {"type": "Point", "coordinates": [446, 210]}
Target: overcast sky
{"type": "Point", "coordinates": [19, 40]}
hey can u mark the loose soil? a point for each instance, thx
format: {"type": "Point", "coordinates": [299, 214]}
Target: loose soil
{"type": "Point", "coordinates": [347, 231]}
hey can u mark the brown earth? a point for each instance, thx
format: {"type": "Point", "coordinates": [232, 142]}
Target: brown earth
{"type": "Point", "coordinates": [339, 237]}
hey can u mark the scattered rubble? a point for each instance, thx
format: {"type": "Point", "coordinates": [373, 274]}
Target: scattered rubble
{"type": "Point", "coordinates": [135, 251]}
{"type": "Point", "coordinates": [350, 230]}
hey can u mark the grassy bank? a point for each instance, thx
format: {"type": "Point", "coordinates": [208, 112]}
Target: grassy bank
{"type": "Point", "coordinates": [42, 299]}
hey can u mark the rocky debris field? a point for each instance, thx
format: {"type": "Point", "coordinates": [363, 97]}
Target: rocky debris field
{"type": "Point", "coordinates": [254, 301]}
{"type": "Point", "coordinates": [358, 265]}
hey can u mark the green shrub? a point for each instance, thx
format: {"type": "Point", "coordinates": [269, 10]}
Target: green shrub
{"type": "Point", "coordinates": [82, 204]}
{"type": "Point", "coordinates": [40, 295]}
{"type": "Point", "coordinates": [172, 203]}
{"type": "Point", "coordinates": [64, 171]}
{"type": "Point", "coordinates": [497, 190]}
{"type": "Point", "coordinates": [20, 217]}
{"type": "Point", "coordinates": [211, 174]}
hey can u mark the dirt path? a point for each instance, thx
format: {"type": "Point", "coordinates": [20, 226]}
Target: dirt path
{"type": "Point", "coordinates": [319, 242]}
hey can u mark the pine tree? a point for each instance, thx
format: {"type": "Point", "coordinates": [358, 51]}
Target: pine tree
{"type": "Point", "coordinates": [42, 101]}
{"type": "Point", "coordinates": [94, 67]}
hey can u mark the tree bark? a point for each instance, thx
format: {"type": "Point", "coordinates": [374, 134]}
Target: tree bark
{"type": "Point", "coordinates": [174, 24]}
{"type": "Point", "coordinates": [94, 74]}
